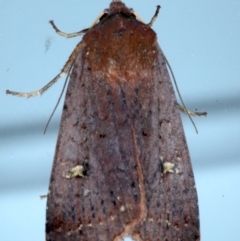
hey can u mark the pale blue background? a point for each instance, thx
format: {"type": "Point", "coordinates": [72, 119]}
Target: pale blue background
{"type": "Point", "coordinates": [201, 40]}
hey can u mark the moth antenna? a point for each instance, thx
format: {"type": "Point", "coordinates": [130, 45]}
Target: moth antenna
{"type": "Point", "coordinates": [60, 97]}
{"type": "Point", "coordinates": [175, 83]}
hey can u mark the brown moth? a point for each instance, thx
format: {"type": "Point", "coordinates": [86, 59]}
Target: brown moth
{"type": "Point", "coordinates": [121, 166]}
{"type": "Point", "coordinates": [122, 129]}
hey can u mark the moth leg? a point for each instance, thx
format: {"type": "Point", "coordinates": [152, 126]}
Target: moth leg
{"type": "Point", "coordinates": [154, 16]}
{"type": "Point", "coordinates": [67, 35]}
{"type": "Point", "coordinates": [190, 112]}
{"type": "Point", "coordinates": [79, 33]}
{"type": "Point", "coordinates": [64, 71]}
{"type": "Point", "coordinates": [44, 196]}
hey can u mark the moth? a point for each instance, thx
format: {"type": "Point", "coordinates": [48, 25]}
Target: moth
{"type": "Point", "coordinates": [122, 166]}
